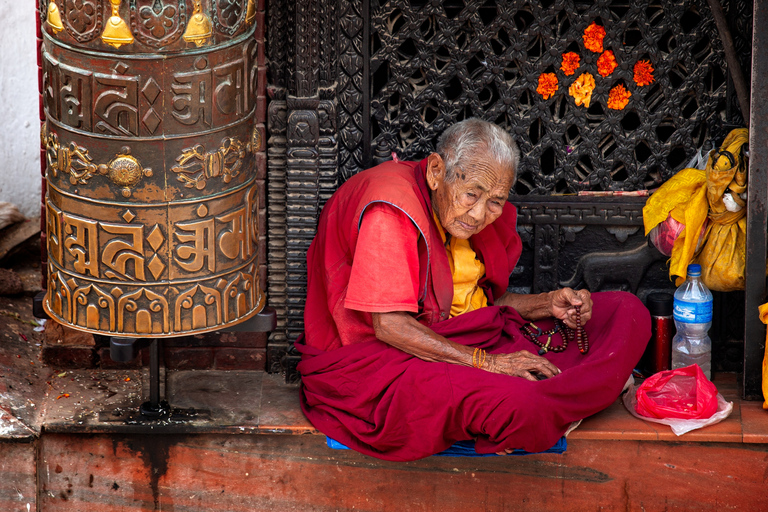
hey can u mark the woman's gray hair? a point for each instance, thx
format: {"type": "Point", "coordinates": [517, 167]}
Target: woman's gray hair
{"type": "Point", "coordinates": [472, 139]}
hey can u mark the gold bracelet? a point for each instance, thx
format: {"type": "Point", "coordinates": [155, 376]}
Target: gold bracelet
{"type": "Point", "coordinates": [483, 361]}
{"type": "Point", "coordinates": [474, 360]}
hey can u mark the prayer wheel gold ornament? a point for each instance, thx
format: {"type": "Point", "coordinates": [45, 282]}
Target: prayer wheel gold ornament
{"type": "Point", "coordinates": [250, 12]}
{"type": "Point", "coordinates": [152, 199]}
{"type": "Point", "coordinates": [199, 28]}
{"type": "Point", "coordinates": [116, 33]}
{"type": "Point", "coordinates": [54, 18]}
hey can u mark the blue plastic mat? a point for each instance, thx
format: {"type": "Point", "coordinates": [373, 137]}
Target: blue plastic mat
{"type": "Point", "coordinates": [467, 449]}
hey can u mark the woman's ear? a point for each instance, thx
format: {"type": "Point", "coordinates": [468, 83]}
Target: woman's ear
{"type": "Point", "coordinates": [435, 171]}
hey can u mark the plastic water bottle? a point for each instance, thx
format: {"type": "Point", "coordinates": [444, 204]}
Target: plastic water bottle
{"type": "Point", "coordinates": [693, 318]}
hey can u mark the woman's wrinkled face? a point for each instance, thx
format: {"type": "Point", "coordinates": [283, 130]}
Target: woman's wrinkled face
{"type": "Point", "coordinates": [473, 199]}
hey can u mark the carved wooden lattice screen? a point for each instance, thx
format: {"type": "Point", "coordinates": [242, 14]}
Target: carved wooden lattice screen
{"type": "Point", "coordinates": [439, 62]}
{"type": "Point", "coordinates": [396, 73]}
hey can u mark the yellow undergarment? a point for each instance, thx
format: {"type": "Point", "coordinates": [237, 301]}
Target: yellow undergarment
{"type": "Point", "coordinates": [466, 271]}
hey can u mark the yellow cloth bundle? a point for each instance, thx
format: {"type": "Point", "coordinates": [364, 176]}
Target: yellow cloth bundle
{"type": "Point", "coordinates": [723, 256]}
{"type": "Point", "coordinates": [764, 318]}
{"type": "Point", "coordinates": [691, 197]}
{"type": "Point", "coordinates": [683, 197]}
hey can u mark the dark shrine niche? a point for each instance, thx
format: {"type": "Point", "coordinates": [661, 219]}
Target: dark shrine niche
{"type": "Point", "coordinates": [384, 76]}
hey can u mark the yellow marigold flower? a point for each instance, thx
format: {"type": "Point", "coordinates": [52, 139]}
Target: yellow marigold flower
{"type": "Point", "coordinates": [547, 85]}
{"type": "Point", "coordinates": [581, 89]}
{"type": "Point", "coordinates": [643, 73]}
{"type": "Point", "coordinates": [570, 63]}
{"type": "Point", "coordinates": [593, 37]}
{"type": "Point", "coordinates": [618, 97]}
{"type": "Point", "coordinates": [606, 63]}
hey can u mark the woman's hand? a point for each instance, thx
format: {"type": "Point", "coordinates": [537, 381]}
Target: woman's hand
{"type": "Point", "coordinates": [521, 364]}
{"type": "Point", "coordinates": [563, 302]}
{"type": "Point", "coordinates": [402, 331]}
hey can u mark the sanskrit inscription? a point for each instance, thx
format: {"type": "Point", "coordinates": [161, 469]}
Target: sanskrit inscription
{"type": "Point", "coordinates": [153, 270]}
{"type": "Point", "coordinates": [150, 141]}
{"type": "Point", "coordinates": [129, 99]}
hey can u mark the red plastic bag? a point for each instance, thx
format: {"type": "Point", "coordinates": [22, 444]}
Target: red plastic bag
{"type": "Point", "coordinates": [683, 393]}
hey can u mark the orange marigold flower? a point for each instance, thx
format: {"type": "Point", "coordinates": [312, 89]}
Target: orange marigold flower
{"type": "Point", "coordinates": [593, 37]}
{"type": "Point", "coordinates": [570, 63]}
{"type": "Point", "coordinates": [581, 89]}
{"type": "Point", "coordinates": [618, 97]}
{"type": "Point", "coordinates": [643, 73]}
{"type": "Point", "coordinates": [606, 63]}
{"type": "Point", "coordinates": [547, 85]}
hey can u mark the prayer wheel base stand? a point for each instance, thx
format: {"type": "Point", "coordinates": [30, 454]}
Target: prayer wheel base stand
{"type": "Point", "coordinates": [156, 409]}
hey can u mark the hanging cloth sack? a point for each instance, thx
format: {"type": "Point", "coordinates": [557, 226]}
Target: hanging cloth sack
{"type": "Point", "coordinates": [722, 256]}
{"type": "Point", "coordinates": [681, 200]}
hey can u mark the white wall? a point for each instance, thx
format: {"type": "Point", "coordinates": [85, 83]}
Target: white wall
{"type": "Point", "coordinates": [19, 118]}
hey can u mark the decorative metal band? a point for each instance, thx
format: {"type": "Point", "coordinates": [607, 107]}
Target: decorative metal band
{"type": "Point", "coordinates": [228, 15]}
{"type": "Point", "coordinates": [196, 165]}
{"type": "Point", "coordinates": [152, 198]}
{"type": "Point", "coordinates": [172, 269]}
{"type": "Point", "coordinates": [149, 98]}
{"type": "Point", "coordinates": [158, 23]}
{"type": "Point", "coordinates": [82, 19]}
{"type": "Point", "coordinates": [124, 170]}
{"type": "Point", "coordinates": [154, 25]}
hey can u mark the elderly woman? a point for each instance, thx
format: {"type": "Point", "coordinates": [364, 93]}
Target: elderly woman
{"type": "Point", "coordinates": [412, 341]}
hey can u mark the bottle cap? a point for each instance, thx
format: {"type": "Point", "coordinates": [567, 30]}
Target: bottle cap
{"type": "Point", "coordinates": [694, 269]}
{"type": "Point", "coordinates": [659, 303]}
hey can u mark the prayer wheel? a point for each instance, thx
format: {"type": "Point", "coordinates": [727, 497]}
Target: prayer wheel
{"type": "Point", "coordinates": [152, 199]}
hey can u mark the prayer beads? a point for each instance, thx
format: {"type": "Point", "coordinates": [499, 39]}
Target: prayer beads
{"type": "Point", "coordinates": [532, 332]}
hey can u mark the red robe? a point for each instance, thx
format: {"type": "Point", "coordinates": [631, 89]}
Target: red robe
{"type": "Point", "coordinates": [385, 403]}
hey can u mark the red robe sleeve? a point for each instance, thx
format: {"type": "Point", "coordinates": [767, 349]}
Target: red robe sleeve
{"type": "Point", "coordinates": [385, 270]}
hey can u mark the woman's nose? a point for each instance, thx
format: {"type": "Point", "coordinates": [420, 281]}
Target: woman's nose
{"type": "Point", "coordinates": [477, 212]}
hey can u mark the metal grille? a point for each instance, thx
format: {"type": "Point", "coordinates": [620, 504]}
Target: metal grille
{"type": "Point", "coordinates": [434, 63]}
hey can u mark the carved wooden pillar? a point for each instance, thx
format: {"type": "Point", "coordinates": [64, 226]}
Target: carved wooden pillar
{"type": "Point", "coordinates": [303, 167]}
{"type": "Point", "coordinates": [152, 192]}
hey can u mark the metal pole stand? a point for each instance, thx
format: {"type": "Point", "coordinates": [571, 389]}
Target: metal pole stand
{"type": "Point", "coordinates": [154, 408]}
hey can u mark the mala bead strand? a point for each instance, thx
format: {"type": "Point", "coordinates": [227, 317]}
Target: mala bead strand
{"type": "Point", "coordinates": [533, 336]}
{"type": "Point", "coordinates": [582, 341]}
{"type": "Point", "coordinates": [533, 332]}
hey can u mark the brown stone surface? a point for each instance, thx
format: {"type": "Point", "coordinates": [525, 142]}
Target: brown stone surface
{"type": "Point", "coordinates": [106, 362]}
{"type": "Point", "coordinates": [184, 358]}
{"type": "Point", "coordinates": [262, 472]}
{"type": "Point", "coordinates": [64, 347]}
{"type": "Point", "coordinates": [235, 402]}
{"type": "Point", "coordinates": [22, 376]}
{"type": "Point", "coordinates": [220, 339]}
{"type": "Point", "coordinates": [30, 280]}
{"type": "Point", "coordinates": [60, 335]}
{"type": "Point", "coordinates": [77, 397]}
{"type": "Point", "coordinates": [754, 420]}
{"type": "Point", "coordinates": [69, 356]}
{"type": "Point", "coordinates": [231, 358]}
{"type": "Point", "coordinates": [10, 282]}
{"type": "Point", "coordinates": [18, 489]}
